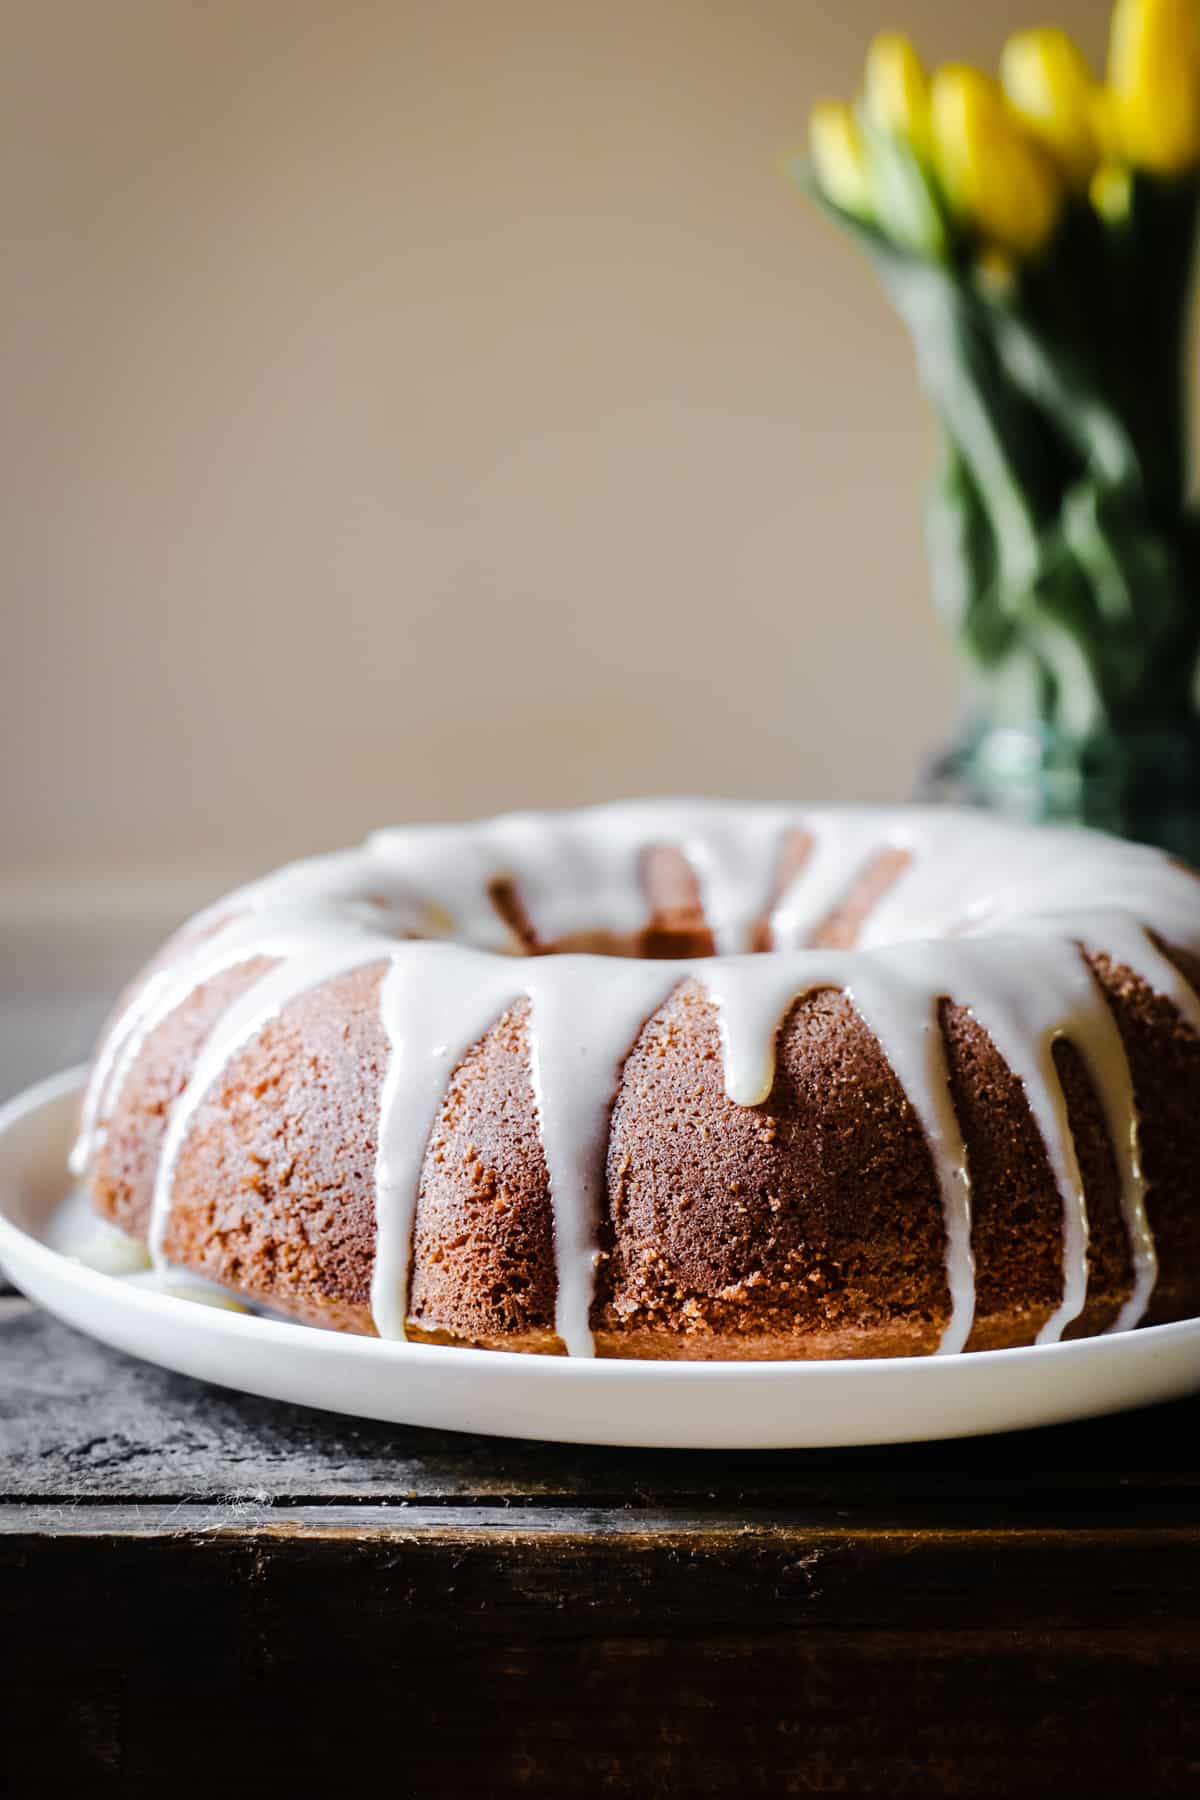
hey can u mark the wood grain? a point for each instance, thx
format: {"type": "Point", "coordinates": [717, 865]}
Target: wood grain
{"type": "Point", "coordinates": [205, 1593]}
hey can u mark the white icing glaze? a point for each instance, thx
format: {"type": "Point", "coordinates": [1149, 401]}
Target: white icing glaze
{"type": "Point", "coordinates": [577, 1050]}
{"type": "Point", "coordinates": [436, 1000]}
{"type": "Point", "coordinates": [985, 913]}
{"type": "Point", "coordinates": [835, 860]}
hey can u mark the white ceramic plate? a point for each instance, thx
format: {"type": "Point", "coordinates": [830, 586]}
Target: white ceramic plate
{"type": "Point", "coordinates": [675, 1405]}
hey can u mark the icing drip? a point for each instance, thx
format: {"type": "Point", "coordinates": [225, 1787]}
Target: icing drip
{"type": "Point", "coordinates": [985, 914]}
{"type": "Point", "coordinates": [577, 1052]}
{"type": "Point", "coordinates": [1121, 938]}
{"type": "Point", "coordinates": [1054, 996]}
{"type": "Point", "coordinates": [435, 1002]}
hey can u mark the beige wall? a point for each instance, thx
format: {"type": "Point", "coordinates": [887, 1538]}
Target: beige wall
{"type": "Point", "coordinates": [418, 408]}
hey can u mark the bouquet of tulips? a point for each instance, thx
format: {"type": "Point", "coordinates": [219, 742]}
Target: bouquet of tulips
{"type": "Point", "coordinates": [1036, 234]}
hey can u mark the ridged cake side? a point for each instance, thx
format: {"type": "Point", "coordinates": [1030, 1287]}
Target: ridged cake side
{"type": "Point", "coordinates": [808, 1226]}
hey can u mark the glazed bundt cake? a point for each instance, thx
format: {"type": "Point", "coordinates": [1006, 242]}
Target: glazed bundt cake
{"type": "Point", "coordinates": [677, 1080]}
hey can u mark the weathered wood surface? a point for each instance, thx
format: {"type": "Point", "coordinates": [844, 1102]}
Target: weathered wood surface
{"type": "Point", "coordinates": [207, 1593]}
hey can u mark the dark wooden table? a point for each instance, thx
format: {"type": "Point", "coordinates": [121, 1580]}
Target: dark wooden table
{"type": "Point", "coordinates": [208, 1594]}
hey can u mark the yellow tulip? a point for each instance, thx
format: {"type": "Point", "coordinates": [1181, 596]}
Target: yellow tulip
{"type": "Point", "coordinates": [839, 158]}
{"type": "Point", "coordinates": [996, 177]}
{"type": "Point", "coordinates": [1110, 190]}
{"type": "Point", "coordinates": [1154, 74]}
{"type": "Point", "coordinates": [1050, 87]}
{"type": "Point", "coordinates": [897, 91]}
{"type": "Point", "coordinates": [1105, 125]}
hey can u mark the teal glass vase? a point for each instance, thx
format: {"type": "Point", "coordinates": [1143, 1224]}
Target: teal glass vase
{"type": "Point", "coordinates": [1142, 784]}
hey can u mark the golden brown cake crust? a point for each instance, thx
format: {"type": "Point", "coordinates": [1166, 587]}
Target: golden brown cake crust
{"type": "Point", "coordinates": [816, 1214]}
{"type": "Point", "coordinates": [274, 1188]}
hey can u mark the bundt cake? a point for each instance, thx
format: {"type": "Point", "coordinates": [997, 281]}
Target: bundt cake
{"type": "Point", "coordinates": [677, 1080]}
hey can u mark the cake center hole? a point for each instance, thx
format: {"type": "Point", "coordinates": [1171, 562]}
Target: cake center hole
{"type": "Point", "coordinates": [675, 923]}
{"type": "Point", "coordinates": [676, 929]}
